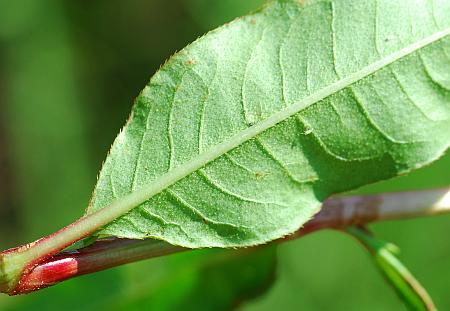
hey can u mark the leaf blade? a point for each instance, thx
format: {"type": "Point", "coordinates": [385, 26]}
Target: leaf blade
{"type": "Point", "coordinates": [160, 152]}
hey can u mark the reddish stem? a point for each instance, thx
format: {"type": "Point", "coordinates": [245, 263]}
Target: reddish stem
{"type": "Point", "coordinates": [103, 254]}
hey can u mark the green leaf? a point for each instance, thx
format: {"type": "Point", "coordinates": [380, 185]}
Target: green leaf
{"type": "Point", "coordinates": [240, 136]}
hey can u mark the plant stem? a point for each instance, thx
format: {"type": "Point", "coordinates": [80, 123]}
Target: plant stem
{"type": "Point", "coordinates": [343, 212]}
{"type": "Point", "coordinates": [101, 255]}
{"type": "Point", "coordinates": [396, 274]}
{"type": "Point", "coordinates": [337, 213]}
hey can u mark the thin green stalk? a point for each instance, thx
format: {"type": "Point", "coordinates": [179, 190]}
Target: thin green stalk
{"type": "Point", "coordinates": [405, 284]}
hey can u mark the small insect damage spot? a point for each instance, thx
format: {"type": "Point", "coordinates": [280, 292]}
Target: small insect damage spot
{"type": "Point", "coordinates": [389, 38]}
{"type": "Point", "coordinates": [261, 175]}
{"type": "Point", "coordinates": [191, 62]}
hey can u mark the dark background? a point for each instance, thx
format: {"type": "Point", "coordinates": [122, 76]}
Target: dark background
{"type": "Point", "coordinates": [69, 71]}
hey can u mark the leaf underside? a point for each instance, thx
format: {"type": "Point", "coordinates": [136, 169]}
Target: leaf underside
{"type": "Point", "coordinates": [387, 122]}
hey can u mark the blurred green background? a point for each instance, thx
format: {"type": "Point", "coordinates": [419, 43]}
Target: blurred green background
{"type": "Point", "coordinates": [69, 71]}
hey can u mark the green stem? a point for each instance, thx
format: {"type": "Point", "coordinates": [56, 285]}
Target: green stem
{"type": "Point", "coordinates": [405, 284]}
